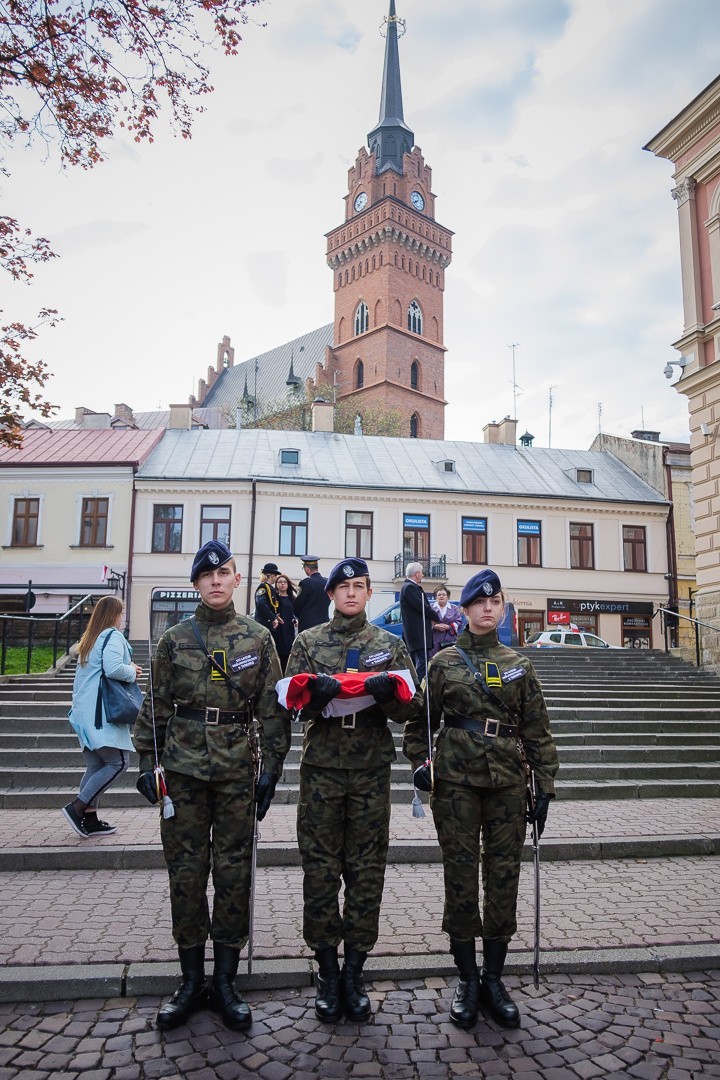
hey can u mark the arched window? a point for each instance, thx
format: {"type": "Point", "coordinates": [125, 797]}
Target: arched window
{"type": "Point", "coordinates": [359, 375]}
{"type": "Point", "coordinates": [362, 318]}
{"type": "Point", "coordinates": [415, 318]}
{"type": "Point", "coordinates": [414, 375]}
{"type": "Point", "coordinates": [414, 426]}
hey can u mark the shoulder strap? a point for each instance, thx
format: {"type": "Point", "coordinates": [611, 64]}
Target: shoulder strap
{"type": "Point", "coordinates": [484, 687]}
{"type": "Point", "coordinates": [213, 663]}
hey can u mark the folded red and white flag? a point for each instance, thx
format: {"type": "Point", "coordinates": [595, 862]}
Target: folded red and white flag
{"type": "Point", "coordinates": [295, 692]}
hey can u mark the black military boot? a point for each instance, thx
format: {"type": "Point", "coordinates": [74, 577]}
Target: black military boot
{"type": "Point", "coordinates": [352, 987]}
{"type": "Point", "coordinates": [328, 1003]}
{"type": "Point", "coordinates": [223, 997]}
{"type": "Point", "coordinates": [493, 996]}
{"type": "Point", "coordinates": [192, 994]}
{"type": "Point", "coordinates": [464, 1008]}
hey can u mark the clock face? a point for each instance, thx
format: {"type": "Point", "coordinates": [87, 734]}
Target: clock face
{"type": "Point", "coordinates": [417, 200]}
{"type": "Point", "coordinates": [361, 201]}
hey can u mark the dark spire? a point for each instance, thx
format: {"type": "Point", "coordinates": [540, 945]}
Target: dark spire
{"type": "Point", "coordinates": [392, 137]}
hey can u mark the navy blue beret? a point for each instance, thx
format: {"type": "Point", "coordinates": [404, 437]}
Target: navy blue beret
{"type": "Point", "coordinates": [209, 557]}
{"type": "Point", "coordinates": [486, 583]}
{"type": "Point", "coordinates": [348, 568]}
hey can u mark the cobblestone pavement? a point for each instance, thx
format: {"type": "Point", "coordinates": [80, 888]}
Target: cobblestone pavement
{"type": "Point", "coordinates": [568, 819]}
{"type": "Point", "coordinates": [651, 1027]}
{"type": "Point", "coordinates": [46, 917]}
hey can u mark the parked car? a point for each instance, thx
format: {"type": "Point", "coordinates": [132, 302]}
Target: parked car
{"type": "Point", "coordinates": [391, 620]}
{"type": "Point", "coordinates": [567, 639]}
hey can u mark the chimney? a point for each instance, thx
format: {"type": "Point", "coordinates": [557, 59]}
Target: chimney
{"type": "Point", "coordinates": [323, 415]}
{"type": "Point", "coordinates": [646, 436]}
{"type": "Point", "coordinates": [124, 412]}
{"type": "Point", "coordinates": [507, 431]}
{"type": "Point", "coordinates": [180, 417]}
{"type": "Point", "coordinates": [491, 432]}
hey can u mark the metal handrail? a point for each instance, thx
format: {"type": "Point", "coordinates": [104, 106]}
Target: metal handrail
{"type": "Point", "coordinates": [690, 619]}
{"type": "Point", "coordinates": [34, 621]}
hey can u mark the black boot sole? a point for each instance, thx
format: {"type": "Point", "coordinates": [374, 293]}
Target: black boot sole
{"type": "Point", "coordinates": [501, 1020]}
{"type": "Point", "coordinates": [231, 1022]}
{"type": "Point", "coordinates": [330, 1018]}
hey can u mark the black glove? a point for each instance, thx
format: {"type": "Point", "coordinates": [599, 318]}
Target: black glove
{"type": "Point", "coordinates": [325, 688]}
{"type": "Point", "coordinates": [540, 813]}
{"type": "Point", "coordinates": [264, 793]}
{"type": "Point", "coordinates": [147, 786]}
{"type": "Point", "coordinates": [422, 777]}
{"type": "Point", "coordinates": [381, 686]}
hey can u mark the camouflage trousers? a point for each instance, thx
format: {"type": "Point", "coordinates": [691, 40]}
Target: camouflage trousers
{"type": "Point", "coordinates": [462, 815]}
{"type": "Point", "coordinates": [212, 830]}
{"type": "Point", "coordinates": [343, 834]}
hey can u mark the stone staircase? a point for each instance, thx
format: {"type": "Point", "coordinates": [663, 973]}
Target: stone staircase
{"type": "Point", "coordinates": [628, 725]}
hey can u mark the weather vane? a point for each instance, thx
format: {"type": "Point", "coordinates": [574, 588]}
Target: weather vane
{"type": "Point", "coordinates": [399, 25]}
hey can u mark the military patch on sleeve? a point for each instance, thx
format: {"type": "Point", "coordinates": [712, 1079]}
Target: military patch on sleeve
{"type": "Point", "coordinates": [247, 660]}
{"type": "Point", "coordinates": [376, 658]}
{"type": "Point", "coordinates": [512, 674]}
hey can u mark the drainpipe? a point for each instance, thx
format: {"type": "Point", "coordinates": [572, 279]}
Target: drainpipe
{"type": "Point", "coordinates": [251, 545]}
{"type": "Point", "coordinates": [128, 578]}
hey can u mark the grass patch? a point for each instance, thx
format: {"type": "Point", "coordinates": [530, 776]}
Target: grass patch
{"type": "Point", "coordinates": [16, 660]}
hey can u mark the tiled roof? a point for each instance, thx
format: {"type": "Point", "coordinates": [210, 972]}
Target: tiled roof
{"type": "Point", "coordinates": [104, 446]}
{"type": "Point", "coordinates": [273, 368]}
{"type": "Point", "coordinates": [330, 459]}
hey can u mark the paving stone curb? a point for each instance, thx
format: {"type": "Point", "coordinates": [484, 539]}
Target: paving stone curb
{"type": "Point", "coordinates": [79, 981]}
{"type": "Point", "coordinates": [417, 852]}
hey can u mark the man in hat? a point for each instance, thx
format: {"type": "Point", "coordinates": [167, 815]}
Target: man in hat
{"type": "Point", "coordinates": [311, 605]}
{"type": "Point", "coordinates": [344, 804]}
{"type": "Point", "coordinates": [212, 675]}
{"type": "Point", "coordinates": [267, 601]}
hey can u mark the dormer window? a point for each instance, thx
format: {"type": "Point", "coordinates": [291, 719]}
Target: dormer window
{"type": "Point", "coordinates": [289, 457]}
{"type": "Point", "coordinates": [584, 476]}
{"type": "Point", "coordinates": [446, 466]}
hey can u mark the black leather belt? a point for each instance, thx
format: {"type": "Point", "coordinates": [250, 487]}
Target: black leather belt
{"type": "Point", "coordinates": [489, 726]}
{"type": "Point", "coordinates": [212, 717]}
{"type": "Point", "coordinates": [357, 720]}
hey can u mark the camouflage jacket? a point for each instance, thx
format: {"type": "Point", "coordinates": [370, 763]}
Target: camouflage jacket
{"type": "Point", "coordinates": [183, 675]}
{"type": "Point", "coordinates": [469, 757]}
{"type": "Point", "coordinates": [324, 649]}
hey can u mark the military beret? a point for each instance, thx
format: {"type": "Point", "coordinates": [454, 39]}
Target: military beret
{"type": "Point", "coordinates": [209, 557]}
{"type": "Point", "coordinates": [486, 583]}
{"type": "Point", "coordinates": [348, 568]}
{"type": "Point", "coordinates": [270, 568]}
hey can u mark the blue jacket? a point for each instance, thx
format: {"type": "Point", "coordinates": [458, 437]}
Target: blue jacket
{"type": "Point", "coordinates": [116, 664]}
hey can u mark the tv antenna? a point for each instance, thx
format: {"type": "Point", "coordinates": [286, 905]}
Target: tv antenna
{"type": "Point", "coordinates": [515, 345]}
{"type": "Point", "coordinates": [550, 406]}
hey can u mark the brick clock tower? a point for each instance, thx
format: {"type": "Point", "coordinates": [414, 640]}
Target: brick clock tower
{"type": "Point", "coordinates": [388, 259]}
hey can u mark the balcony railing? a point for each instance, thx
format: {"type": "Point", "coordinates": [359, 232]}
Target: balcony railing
{"type": "Point", "coordinates": [434, 566]}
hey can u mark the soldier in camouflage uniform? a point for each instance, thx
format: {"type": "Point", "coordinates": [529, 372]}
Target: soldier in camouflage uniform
{"type": "Point", "coordinates": [344, 807]}
{"type": "Point", "coordinates": [480, 790]}
{"type": "Point", "coordinates": [202, 723]}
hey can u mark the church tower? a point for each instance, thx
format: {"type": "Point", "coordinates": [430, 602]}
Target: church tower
{"type": "Point", "coordinates": [388, 260]}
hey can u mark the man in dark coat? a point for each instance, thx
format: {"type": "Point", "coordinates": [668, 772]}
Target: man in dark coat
{"type": "Point", "coordinates": [418, 618]}
{"type": "Point", "coordinates": [312, 604]}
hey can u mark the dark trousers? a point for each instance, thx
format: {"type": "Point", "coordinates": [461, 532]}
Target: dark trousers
{"type": "Point", "coordinates": [462, 816]}
{"type": "Point", "coordinates": [212, 827]}
{"type": "Point", "coordinates": [343, 834]}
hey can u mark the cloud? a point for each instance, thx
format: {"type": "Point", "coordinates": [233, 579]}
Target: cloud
{"type": "Point", "coordinates": [313, 26]}
{"type": "Point", "coordinates": [295, 170]}
{"type": "Point", "coordinates": [97, 233]}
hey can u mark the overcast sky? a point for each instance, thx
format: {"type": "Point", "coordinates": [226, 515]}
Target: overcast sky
{"type": "Point", "coordinates": [532, 115]}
